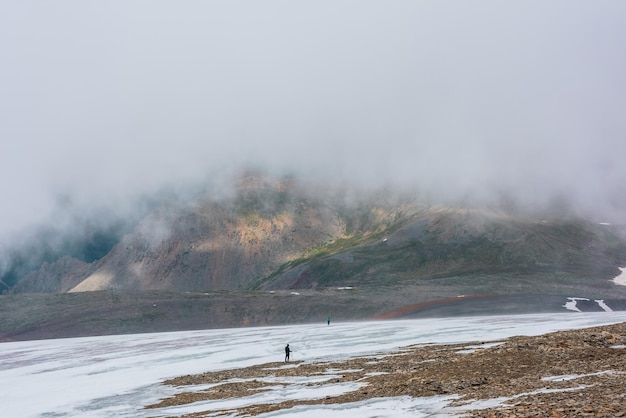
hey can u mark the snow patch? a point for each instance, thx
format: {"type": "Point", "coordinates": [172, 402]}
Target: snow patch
{"type": "Point", "coordinates": [472, 348]}
{"type": "Point", "coordinates": [565, 377]}
{"type": "Point", "coordinates": [603, 305]}
{"type": "Point", "coordinates": [496, 402]}
{"type": "Point", "coordinates": [571, 305]}
{"type": "Point", "coordinates": [621, 279]}
{"type": "Point", "coordinates": [274, 394]}
{"type": "Point", "coordinates": [396, 407]}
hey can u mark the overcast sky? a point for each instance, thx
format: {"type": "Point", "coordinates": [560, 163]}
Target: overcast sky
{"type": "Point", "coordinates": [102, 100]}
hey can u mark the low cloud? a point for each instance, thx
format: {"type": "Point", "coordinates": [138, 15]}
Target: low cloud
{"type": "Point", "coordinates": [103, 103]}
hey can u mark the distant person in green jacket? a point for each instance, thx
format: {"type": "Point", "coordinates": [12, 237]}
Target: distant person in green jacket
{"type": "Point", "coordinates": [328, 320]}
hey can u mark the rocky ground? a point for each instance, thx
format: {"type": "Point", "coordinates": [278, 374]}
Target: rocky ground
{"type": "Point", "coordinates": [578, 373]}
{"type": "Point", "coordinates": [65, 315]}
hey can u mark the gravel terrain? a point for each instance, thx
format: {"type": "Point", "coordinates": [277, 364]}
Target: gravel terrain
{"type": "Point", "coordinates": [65, 315]}
{"type": "Point", "coordinates": [578, 373]}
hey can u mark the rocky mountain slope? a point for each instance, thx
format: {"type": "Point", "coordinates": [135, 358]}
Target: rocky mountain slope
{"type": "Point", "coordinates": [274, 235]}
{"type": "Point", "coordinates": [277, 253]}
{"type": "Point", "coordinates": [211, 245]}
{"type": "Point", "coordinates": [442, 243]}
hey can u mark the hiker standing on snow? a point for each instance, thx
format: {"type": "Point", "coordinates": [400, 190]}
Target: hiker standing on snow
{"type": "Point", "coordinates": [287, 351]}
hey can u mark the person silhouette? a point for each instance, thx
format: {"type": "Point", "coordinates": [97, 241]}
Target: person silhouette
{"type": "Point", "coordinates": [287, 352]}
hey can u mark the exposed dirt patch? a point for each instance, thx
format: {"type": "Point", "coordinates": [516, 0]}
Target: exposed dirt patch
{"type": "Point", "coordinates": [562, 374]}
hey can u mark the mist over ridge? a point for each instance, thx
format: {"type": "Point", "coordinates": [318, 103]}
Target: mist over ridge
{"type": "Point", "coordinates": [106, 107]}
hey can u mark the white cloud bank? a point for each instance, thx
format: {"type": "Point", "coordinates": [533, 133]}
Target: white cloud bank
{"type": "Point", "coordinates": [102, 101]}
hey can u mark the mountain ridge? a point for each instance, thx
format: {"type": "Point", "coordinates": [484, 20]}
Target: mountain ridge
{"type": "Point", "coordinates": [277, 253]}
{"type": "Point", "coordinates": [275, 235]}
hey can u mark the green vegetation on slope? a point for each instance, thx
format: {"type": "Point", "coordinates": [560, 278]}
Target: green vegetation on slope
{"type": "Point", "coordinates": [451, 247]}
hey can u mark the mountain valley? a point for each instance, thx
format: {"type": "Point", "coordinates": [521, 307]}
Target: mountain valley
{"type": "Point", "coordinates": [277, 252]}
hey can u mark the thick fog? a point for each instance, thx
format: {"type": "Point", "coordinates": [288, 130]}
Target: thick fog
{"type": "Point", "coordinates": [102, 102]}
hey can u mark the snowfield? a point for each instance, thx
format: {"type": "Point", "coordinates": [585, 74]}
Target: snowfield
{"type": "Point", "coordinates": [116, 376]}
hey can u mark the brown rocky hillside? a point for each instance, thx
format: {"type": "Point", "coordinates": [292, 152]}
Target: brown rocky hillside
{"type": "Point", "coordinates": [273, 235]}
